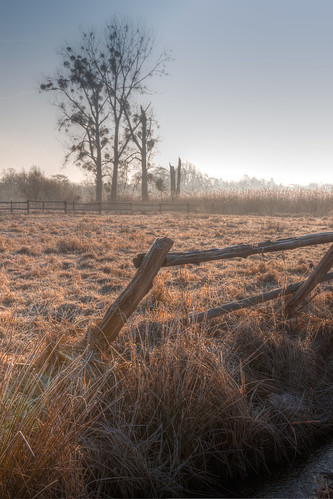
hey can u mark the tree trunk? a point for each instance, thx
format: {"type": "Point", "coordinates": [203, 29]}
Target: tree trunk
{"type": "Point", "coordinates": [114, 183]}
{"type": "Point", "coordinates": [99, 176]}
{"type": "Point", "coordinates": [172, 181]}
{"type": "Point", "coordinates": [178, 177]}
{"type": "Point", "coordinates": [144, 180]}
{"type": "Point", "coordinates": [114, 193]}
{"type": "Point", "coordinates": [99, 186]}
{"type": "Point", "coordinates": [99, 173]}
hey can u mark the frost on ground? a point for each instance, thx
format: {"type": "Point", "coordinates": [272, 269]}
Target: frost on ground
{"type": "Point", "coordinates": [167, 411]}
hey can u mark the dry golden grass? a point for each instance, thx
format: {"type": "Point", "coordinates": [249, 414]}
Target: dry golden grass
{"type": "Point", "coordinates": [170, 411]}
{"type": "Point", "coordinates": [265, 202]}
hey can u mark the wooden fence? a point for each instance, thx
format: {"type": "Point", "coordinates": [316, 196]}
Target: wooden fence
{"type": "Point", "coordinates": [29, 207]}
{"type": "Point", "coordinates": [148, 265]}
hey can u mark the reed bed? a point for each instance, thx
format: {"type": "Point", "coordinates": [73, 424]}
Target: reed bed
{"type": "Point", "coordinates": [266, 202]}
{"type": "Point", "coordinates": [167, 411]}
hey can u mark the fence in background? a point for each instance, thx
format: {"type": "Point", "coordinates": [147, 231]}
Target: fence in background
{"type": "Point", "coordinates": [29, 207]}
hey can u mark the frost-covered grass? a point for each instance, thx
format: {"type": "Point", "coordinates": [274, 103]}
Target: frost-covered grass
{"type": "Point", "coordinates": [167, 411]}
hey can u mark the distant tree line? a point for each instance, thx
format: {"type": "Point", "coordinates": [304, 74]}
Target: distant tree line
{"type": "Point", "coordinates": [36, 186]}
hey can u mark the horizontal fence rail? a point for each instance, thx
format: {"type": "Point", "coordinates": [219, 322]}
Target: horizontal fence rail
{"type": "Point", "coordinates": [251, 301]}
{"type": "Point", "coordinates": [123, 207]}
{"type": "Point", "coordinates": [241, 250]}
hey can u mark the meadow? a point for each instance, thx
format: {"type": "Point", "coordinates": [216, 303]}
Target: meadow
{"type": "Point", "coordinates": [167, 411]}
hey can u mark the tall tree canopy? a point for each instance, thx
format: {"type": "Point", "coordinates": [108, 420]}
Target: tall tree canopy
{"type": "Point", "coordinates": [97, 87]}
{"type": "Point", "coordinates": [83, 108]}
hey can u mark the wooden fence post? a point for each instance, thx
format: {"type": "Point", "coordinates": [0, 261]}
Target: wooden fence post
{"type": "Point", "coordinates": [28, 207]}
{"type": "Point", "coordinates": [117, 314]}
{"type": "Point", "coordinates": [65, 206]}
{"type": "Point", "coordinates": [11, 206]}
{"type": "Point", "coordinates": [314, 278]}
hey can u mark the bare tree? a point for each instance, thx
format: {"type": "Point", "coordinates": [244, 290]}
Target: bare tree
{"type": "Point", "coordinates": [141, 129]}
{"type": "Point", "coordinates": [175, 179]}
{"type": "Point", "coordinates": [179, 176]}
{"type": "Point", "coordinates": [128, 63]}
{"type": "Point", "coordinates": [172, 181]}
{"type": "Point", "coordinates": [83, 108]}
{"type": "Point", "coordinates": [97, 84]}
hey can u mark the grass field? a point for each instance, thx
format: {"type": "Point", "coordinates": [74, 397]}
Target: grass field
{"type": "Point", "coordinates": [166, 412]}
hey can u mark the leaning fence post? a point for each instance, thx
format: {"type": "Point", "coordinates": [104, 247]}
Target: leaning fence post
{"type": "Point", "coordinates": [314, 278]}
{"type": "Point", "coordinates": [117, 314]}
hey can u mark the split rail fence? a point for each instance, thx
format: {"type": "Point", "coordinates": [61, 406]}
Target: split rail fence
{"type": "Point", "coordinates": [149, 264]}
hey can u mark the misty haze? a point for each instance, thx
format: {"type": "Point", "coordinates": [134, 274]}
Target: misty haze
{"type": "Point", "coordinates": [166, 248]}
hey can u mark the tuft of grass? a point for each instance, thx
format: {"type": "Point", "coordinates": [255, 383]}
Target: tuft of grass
{"type": "Point", "coordinates": [73, 244]}
{"type": "Point", "coordinates": [170, 412]}
{"type": "Point", "coordinates": [49, 400]}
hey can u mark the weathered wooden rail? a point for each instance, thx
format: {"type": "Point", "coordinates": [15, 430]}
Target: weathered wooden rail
{"type": "Point", "coordinates": [148, 265]}
{"type": "Point", "coordinates": [251, 301]}
{"type": "Point", "coordinates": [241, 250]}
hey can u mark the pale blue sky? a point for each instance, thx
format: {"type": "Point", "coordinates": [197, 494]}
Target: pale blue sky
{"type": "Point", "coordinates": [250, 90]}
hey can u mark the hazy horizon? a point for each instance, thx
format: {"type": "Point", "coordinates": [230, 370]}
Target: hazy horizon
{"type": "Point", "coordinates": [249, 91]}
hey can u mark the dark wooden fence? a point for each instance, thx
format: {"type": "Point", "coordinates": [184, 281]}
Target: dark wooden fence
{"type": "Point", "coordinates": [29, 207]}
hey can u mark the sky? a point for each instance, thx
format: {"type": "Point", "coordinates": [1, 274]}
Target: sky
{"type": "Point", "coordinates": [249, 90]}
